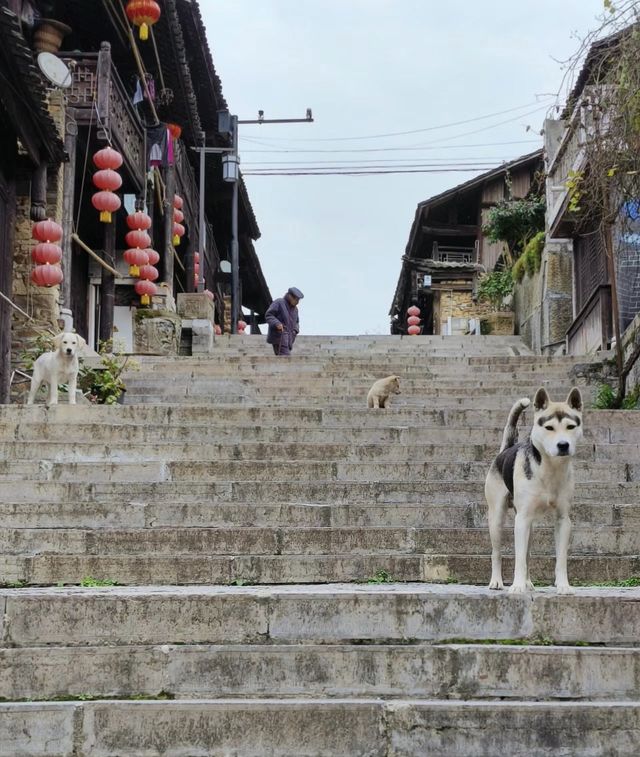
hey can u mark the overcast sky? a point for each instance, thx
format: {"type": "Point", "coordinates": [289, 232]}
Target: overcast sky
{"type": "Point", "coordinates": [370, 68]}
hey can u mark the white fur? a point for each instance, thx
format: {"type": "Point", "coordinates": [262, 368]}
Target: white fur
{"type": "Point", "coordinates": [549, 485]}
{"type": "Point", "coordinates": [379, 393]}
{"type": "Point", "coordinates": [60, 366]}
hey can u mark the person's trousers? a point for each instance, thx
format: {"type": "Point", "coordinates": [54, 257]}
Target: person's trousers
{"type": "Point", "coordinates": [281, 349]}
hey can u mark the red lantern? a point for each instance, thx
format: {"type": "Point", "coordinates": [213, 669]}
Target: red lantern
{"type": "Point", "coordinates": [139, 220]}
{"type": "Point", "coordinates": [196, 268]}
{"type": "Point", "coordinates": [178, 232]}
{"type": "Point", "coordinates": [413, 330]}
{"type": "Point", "coordinates": [413, 310]}
{"type": "Point", "coordinates": [149, 273]}
{"type": "Point", "coordinates": [143, 13]}
{"type": "Point", "coordinates": [136, 257]}
{"type": "Point", "coordinates": [413, 320]}
{"type": "Point", "coordinates": [146, 289]}
{"type": "Point", "coordinates": [107, 158]}
{"type": "Point", "coordinates": [138, 238]}
{"type": "Point", "coordinates": [196, 257]}
{"type": "Point", "coordinates": [108, 179]}
{"type": "Point", "coordinates": [46, 275]}
{"type": "Point", "coordinates": [47, 231]}
{"type": "Point", "coordinates": [107, 203]}
{"type": "Point", "coordinates": [217, 329]}
{"type": "Point", "coordinates": [174, 130]}
{"type": "Point", "coordinates": [45, 252]}
{"type": "Point", "coordinates": [154, 258]}
{"type": "Point", "coordinates": [178, 202]}
{"type": "Point", "coordinates": [178, 215]}
{"type": "Point", "coordinates": [241, 327]}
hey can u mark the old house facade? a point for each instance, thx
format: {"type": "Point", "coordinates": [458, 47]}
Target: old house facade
{"type": "Point", "coordinates": [152, 101]}
{"type": "Point", "coordinates": [595, 303]}
{"type": "Point", "coordinates": [447, 249]}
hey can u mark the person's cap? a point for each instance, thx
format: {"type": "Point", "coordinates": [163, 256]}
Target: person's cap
{"type": "Point", "coordinates": [295, 292]}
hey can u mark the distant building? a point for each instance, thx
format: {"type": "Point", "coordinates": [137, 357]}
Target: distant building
{"type": "Point", "coordinates": [447, 249]}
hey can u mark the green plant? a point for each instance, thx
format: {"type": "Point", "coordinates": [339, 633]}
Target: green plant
{"type": "Point", "coordinates": [104, 384]}
{"type": "Point", "coordinates": [519, 269]}
{"type": "Point", "coordinates": [494, 287]}
{"type": "Point", "coordinates": [605, 398]}
{"type": "Point", "coordinates": [90, 582]}
{"type": "Point", "coordinates": [533, 253]}
{"type": "Point", "coordinates": [380, 577]}
{"type": "Point", "coordinates": [515, 222]}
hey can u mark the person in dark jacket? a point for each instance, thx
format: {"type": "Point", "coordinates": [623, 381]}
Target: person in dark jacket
{"type": "Point", "coordinates": [284, 324]}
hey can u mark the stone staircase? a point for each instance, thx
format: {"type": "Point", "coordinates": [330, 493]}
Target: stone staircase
{"type": "Point", "coordinates": [297, 575]}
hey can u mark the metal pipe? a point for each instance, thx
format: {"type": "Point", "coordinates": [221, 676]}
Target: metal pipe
{"type": "Point", "coordinates": [203, 226]}
{"type": "Point", "coordinates": [235, 256]}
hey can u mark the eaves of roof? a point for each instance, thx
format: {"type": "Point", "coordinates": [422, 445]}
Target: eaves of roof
{"type": "Point", "coordinates": [21, 66]}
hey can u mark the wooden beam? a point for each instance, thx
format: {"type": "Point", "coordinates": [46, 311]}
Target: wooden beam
{"type": "Point", "coordinates": [451, 230]}
{"type": "Point", "coordinates": [108, 285]}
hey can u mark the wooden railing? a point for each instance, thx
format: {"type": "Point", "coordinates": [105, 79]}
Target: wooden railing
{"type": "Point", "coordinates": [454, 253]}
{"type": "Point", "coordinates": [99, 98]}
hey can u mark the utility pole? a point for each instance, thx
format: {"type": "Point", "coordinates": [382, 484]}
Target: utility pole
{"type": "Point", "coordinates": [228, 125]}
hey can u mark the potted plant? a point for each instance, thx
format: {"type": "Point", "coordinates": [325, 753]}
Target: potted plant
{"type": "Point", "coordinates": [494, 288]}
{"type": "Point", "coordinates": [103, 384]}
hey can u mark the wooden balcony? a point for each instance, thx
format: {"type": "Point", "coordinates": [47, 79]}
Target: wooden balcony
{"type": "Point", "coordinates": [570, 156]}
{"type": "Point", "coordinates": [447, 253]}
{"type": "Point", "coordinates": [100, 99]}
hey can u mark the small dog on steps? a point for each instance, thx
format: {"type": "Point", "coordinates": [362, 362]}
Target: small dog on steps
{"type": "Point", "coordinates": [534, 476]}
{"type": "Point", "coordinates": [382, 389]}
{"type": "Point", "coordinates": [60, 366]}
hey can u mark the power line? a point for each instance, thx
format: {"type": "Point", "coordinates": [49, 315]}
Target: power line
{"type": "Point", "coordinates": [383, 172]}
{"type": "Point", "coordinates": [412, 131]}
{"type": "Point", "coordinates": [478, 159]}
{"type": "Point", "coordinates": [388, 149]}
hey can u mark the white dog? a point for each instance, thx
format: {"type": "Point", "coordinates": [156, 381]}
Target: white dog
{"type": "Point", "coordinates": [534, 476]}
{"type": "Point", "coordinates": [58, 367]}
{"type": "Point", "coordinates": [379, 393]}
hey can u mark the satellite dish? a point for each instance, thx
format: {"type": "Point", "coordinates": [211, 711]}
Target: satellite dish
{"type": "Point", "coordinates": [55, 70]}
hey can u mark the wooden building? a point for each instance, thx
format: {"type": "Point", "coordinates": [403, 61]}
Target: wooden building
{"type": "Point", "coordinates": [447, 249]}
{"type": "Point", "coordinates": [124, 92]}
{"type": "Point", "coordinates": [566, 154]}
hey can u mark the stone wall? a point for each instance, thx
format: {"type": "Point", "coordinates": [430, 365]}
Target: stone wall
{"type": "Point", "coordinates": [458, 303]}
{"type": "Point", "coordinates": [41, 303]}
{"type": "Point", "coordinates": [543, 302]}
{"type": "Point", "coordinates": [630, 339]}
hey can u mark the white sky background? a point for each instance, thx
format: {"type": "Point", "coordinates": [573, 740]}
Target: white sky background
{"type": "Point", "coordinates": [369, 67]}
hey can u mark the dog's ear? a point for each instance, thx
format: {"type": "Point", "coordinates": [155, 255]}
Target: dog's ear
{"type": "Point", "coordinates": [574, 400]}
{"type": "Point", "coordinates": [541, 400]}
{"type": "Point", "coordinates": [57, 341]}
{"type": "Point", "coordinates": [81, 342]}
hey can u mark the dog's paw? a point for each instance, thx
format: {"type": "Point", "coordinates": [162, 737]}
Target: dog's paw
{"type": "Point", "coordinates": [519, 588]}
{"type": "Point", "coordinates": [496, 584]}
{"type": "Point", "coordinates": [565, 589]}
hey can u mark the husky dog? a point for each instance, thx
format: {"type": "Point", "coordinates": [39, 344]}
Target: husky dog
{"type": "Point", "coordinates": [534, 476]}
{"type": "Point", "coordinates": [381, 390]}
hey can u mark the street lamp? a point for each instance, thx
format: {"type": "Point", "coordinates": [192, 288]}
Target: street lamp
{"type": "Point", "coordinates": [230, 167]}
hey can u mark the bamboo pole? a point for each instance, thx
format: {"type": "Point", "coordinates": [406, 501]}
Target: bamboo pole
{"type": "Point", "coordinates": [94, 255]}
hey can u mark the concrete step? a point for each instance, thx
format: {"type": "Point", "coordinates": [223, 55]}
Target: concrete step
{"type": "Point", "coordinates": [331, 727]}
{"type": "Point", "coordinates": [204, 569]}
{"type": "Point", "coordinates": [149, 513]}
{"type": "Point", "coordinates": [336, 614]}
{"type": "Point", "coordinates": [289, 471]}
{"type": "Point", "coordinates": [317, 492]}
{"type": "Point", "coordinates": [425, 671]}
{"type": "Point", "coordinates": [68, 450]}
{"type": "Point", "coordinates": [177, 416]}
{"type": "Point", "coordinates": [339, 541]}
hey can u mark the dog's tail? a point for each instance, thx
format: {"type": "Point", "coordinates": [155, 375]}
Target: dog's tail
{"type": "Point", "coordinates": [510, 435]}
